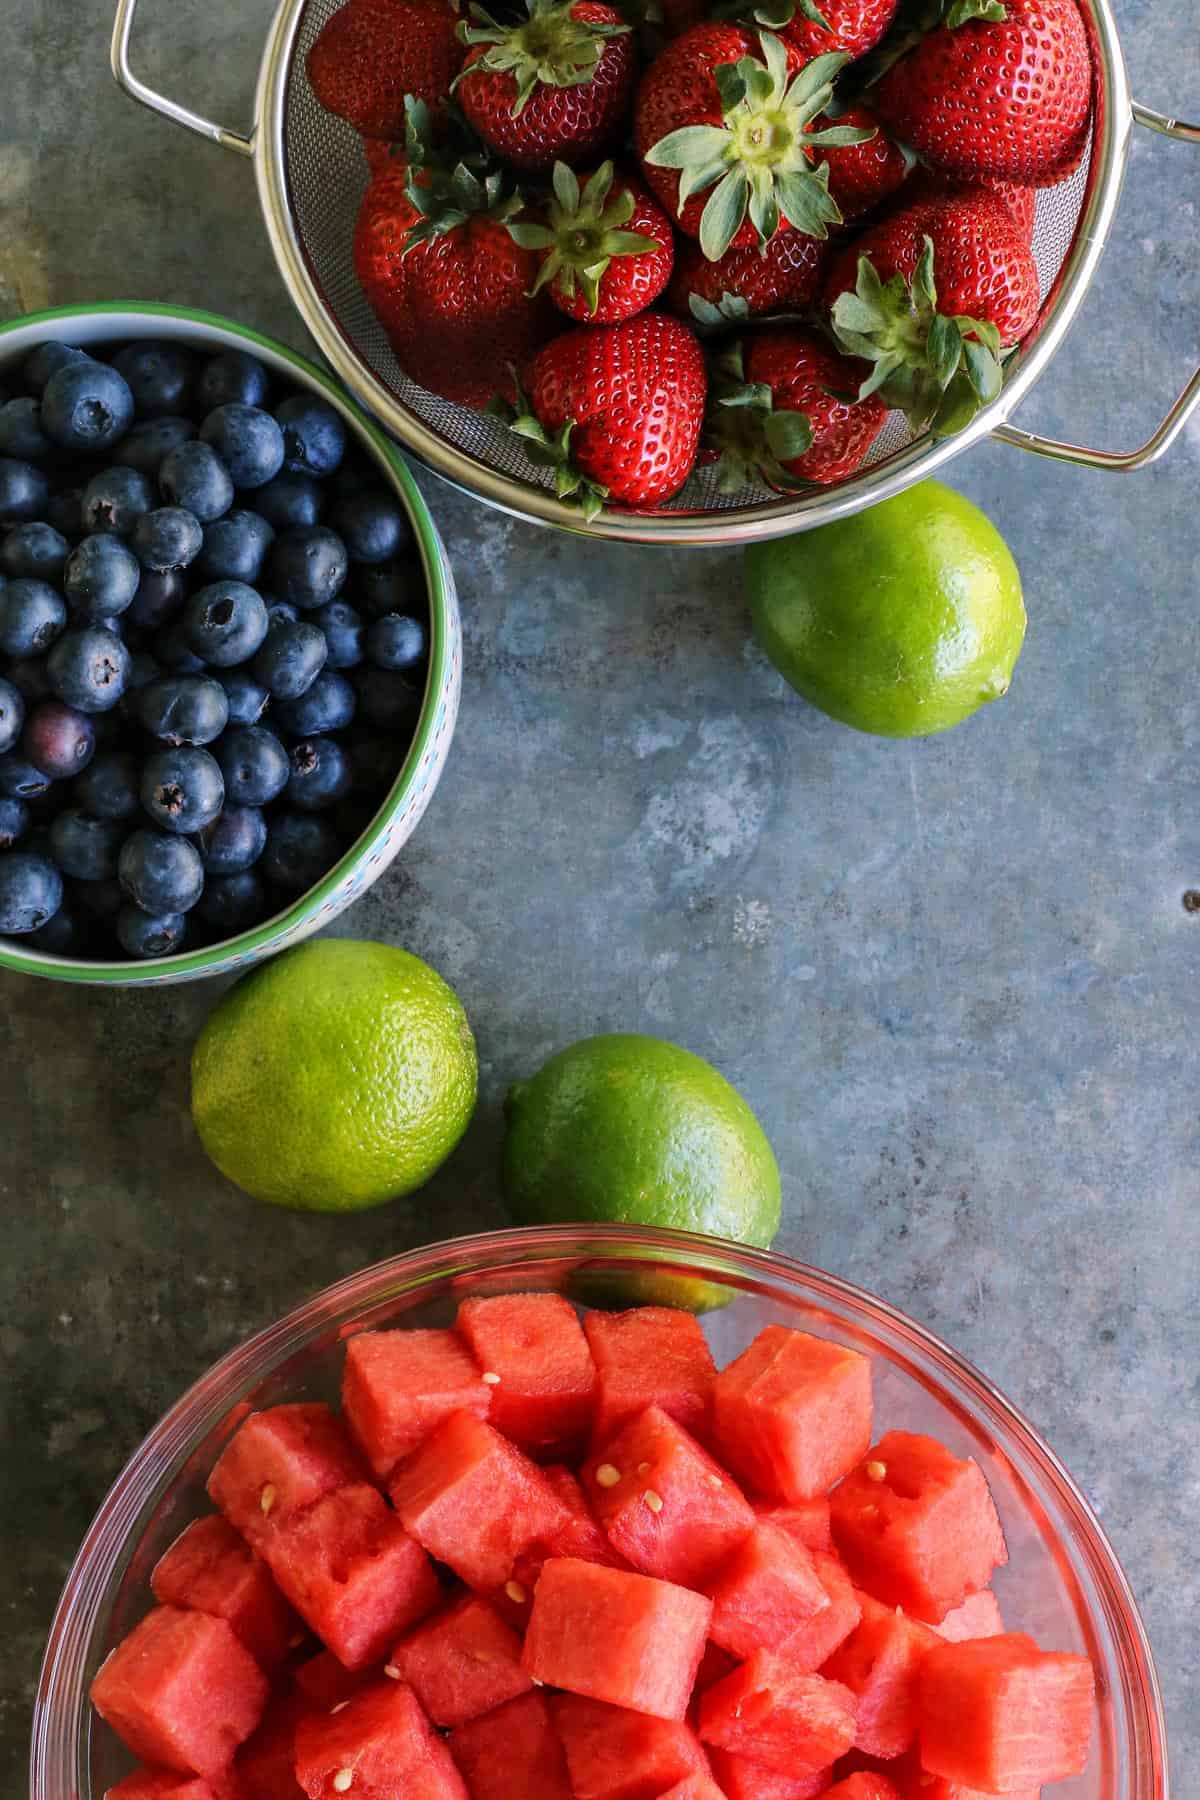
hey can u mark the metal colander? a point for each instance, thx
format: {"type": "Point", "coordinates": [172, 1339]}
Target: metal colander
{"type": "Point", "coordinates": [311, 176]}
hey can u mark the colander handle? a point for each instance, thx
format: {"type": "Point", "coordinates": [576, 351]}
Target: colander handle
{"type": "Point", "coordinates": [1184, 407]}
{"type": "Point", "coordinates": [148, 96]}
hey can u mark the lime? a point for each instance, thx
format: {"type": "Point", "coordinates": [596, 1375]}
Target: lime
{"type": "Point", "coordinates": [338, 1076]}
{"type": "Point", "coordinates": [900, 621]}
{"type": "Point", "coordinates": [630, 1130]}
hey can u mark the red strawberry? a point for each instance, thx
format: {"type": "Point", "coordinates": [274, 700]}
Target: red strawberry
{"type": "Point", "coordinates": [785, 276]}
{"type": "Point", "coordinates": [553, 89]}
{"type": "Point", "coordinates": [1002, 96]}
{"type": "Point", "coordinates": [863, 175]}
{"type": "Point", "coordinates": [371, 53]}
{"type": "Point", "coordinates": [930, 296]}
{"type": "Point", "coordinates": [1021, 202]}
{"type": "Point", "coordinates": [783, 412]}
{"type": "Point", "coordinates": [616, 410]}
{"type": "Point", "coordinates": [606, 253]}
{"type": "Point", "coordinates": [854, 26]}
{"type": "Point", "coordinates": [709, 111]}
{"type": "Point", "coordinates": [378, 152]}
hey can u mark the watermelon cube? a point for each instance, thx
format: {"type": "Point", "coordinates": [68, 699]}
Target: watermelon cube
{"type": "Point", "coordinates": [978, 1616]}
{"type": "Point", "coordinates": [916, 1526]}
{"type": "Point", "coordinates": [765, 1591]}
{"type": "Point", "coordinates": [816, 1640]}
{"type": "Point", "coordinates": [353, 1573]}
{"type": "Point", "coordinates": [797, 1723]}
{"type": "Point", "coordinates": [280, 1462]}
{"type": "Point", "coordinates": [879, 1662]}
{"type": "Point", "coordinates": [807, 1522]}
{"type": "Point", "coordinates": [181, 1691]}
{"type": "Point", "coordinates": [715, 1664]}
{"type": "Point", "coordinates": [546, 1389]}
{"type": "Point", "coordinates": [741, 1778]}
{"type": "Point", "coordinates": [581, 1536]}
{"type": "Point", "coordinates": [398, 1385]}
{"type": "Point", "coordinates": [792, 1413]}
{"type": "Point", "coordinates": [694, 1787]}
{"type": "Point", "coordinates": [462, 1662]}
{"type": "Point", "coordinates": [864, 1785]}
{"type": "Point", "coordinates": [476, 1502]}
{"type": "Point", "coordinates": [617, 1755]}
{"type": "Point", "coordinates": [378, 1746]}
{"type": "Point", "coordinates": [665, 1504]}
{"type": "Point", "coordinates": [649, 1356]}
{"type": "Point", "coordinates": [323, 1682]}
{"type": "Point", "coordinates": [513, 1751]}
{"type": "Point", "coordinates": [264, 1767]}
{"type": "Point", "coordinates": [151, 1784]}
{"type": "Point", "coordinates": [999, 1714]}
{"type": "Point", "coordinates": [615, 1636]}
{"type": "Point", "coordinates": [210, 1569]}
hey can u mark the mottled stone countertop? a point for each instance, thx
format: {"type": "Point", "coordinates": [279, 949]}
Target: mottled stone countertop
{"type": "Point", "coordinates": [956, 980]}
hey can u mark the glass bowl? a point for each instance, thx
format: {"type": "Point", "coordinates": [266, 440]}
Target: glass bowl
{"type": "Point", "coordinates": [1063, 1582]}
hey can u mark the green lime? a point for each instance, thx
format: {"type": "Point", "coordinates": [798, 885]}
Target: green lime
{"type": "Point", "coordinates": [631, 1130]}
{"type": "Point", "coordinates": [900, 621]}
{"type": "Point", "coordinates": [336, 1077]}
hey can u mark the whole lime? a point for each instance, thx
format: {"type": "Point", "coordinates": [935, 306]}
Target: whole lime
{"type": "Point", "coordinates": [901, 621]}
{"type": "Point", "coordinates": [336, 1077]}
{"type": "Point", "coordinates": [631, 1130]}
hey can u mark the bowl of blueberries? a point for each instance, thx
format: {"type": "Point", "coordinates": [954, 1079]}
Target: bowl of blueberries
{"type": "Point", "coordinates": [230, 653]}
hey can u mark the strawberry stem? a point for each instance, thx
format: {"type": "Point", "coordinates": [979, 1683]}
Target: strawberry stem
{"type": "Point", "coordinates": [754, 441]}
{"type": "Point", "coordinates": [545, 451]}
{"type": "Point", "coordinates": [550, 48]}
{"type": "Point", "coordinates": [583, 232]}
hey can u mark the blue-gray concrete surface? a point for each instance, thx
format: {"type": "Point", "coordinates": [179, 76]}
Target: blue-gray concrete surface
{"type": "Point", "coordinates": [956, 980]}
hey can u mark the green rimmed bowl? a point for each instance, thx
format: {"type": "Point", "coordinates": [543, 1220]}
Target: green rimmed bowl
{"type": "Point", "coordinates": [426, 755]}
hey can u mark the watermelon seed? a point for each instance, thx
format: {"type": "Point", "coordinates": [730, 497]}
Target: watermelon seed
{"type": "Point", "coordinates": [869, 1512]}
{"type": "Point", "coordinates": [607, 1476]}
{"type": "Point", "coordinates": [491, 1377]}
{"type": "Point", "coordinates": [536, 1682]}
{"type": "Point", "coordinates": [653, 1501]}
{"type": "Point", "coordinates": [267, 1498]}
{"type": "Point", "coordinates": [391, 1671]}
{"type": "Point", "coordinates": [643, 1468]}
{"type": "Point", "coordinates": [875, 1471]}
{"type": "Point", "coordinates": [342, 1780]}
{"type": "Point", "coordinates": [338, 1707]}
{"type": "Point", "coordinates": [516, 1593]}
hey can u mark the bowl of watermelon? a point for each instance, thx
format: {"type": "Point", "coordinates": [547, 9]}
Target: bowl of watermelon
{"type": "Point", "coordinates": [449, 1532]}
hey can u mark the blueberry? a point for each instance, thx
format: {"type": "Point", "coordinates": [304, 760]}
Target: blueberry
{"type": "Point", "coordinates": [281, 612]}
{"type": "Point", "coordinates": [108, 787]}
{"type": "Point", "coordinates": [86, 848]}
{"type": "Point", "coordinates": [397, 641]}
{"type": "Point", "coordinates": [314, 437]}
{"type": "Point", "coordinates": [115, 499]}
{"type": "Point", "coordinates": [248, 442]}
{"type": "Point", "coordinates": [373, 526]}
{"type": "Point", "coordinates": [64, 511]}
{"type": "Point", "coordinates": [397, 587]}
{"type": "Point", "coordinates": [300, 849]}
{"type": "Point", "coordinates": [320, 774]}
{"type": "Point", "coordinates": [388, 699]}
{"type": "Point", "coordinates": [159, 376]}
{"type": "Point", "coordinates": [34, 549]}
{"type": "Point", "coordinates": [21, 433]}
{"type": "Point", "coordinates": [31, 892]}
{"type": "Point", "coordinates": [232, 376]}
{"type": "Point", "coordinates": [174, 652]}
{"type": "Point", "coordinates": [86, 406]}
{"type": "Point", "coordinates": [182, 789]}
{"type": "Point", "coordinates": [161, 872]}
{"type": "Point", "coordinates": [235, 547]}
{"type": "Point", "coordinates": [14, 822]}
{"type": "Point", "coordinates": [147, 446]}
{"type": "Point", "coordinates": [290, 501]}
{"type": "Point", "coordinates": [58, 740]}
{"type": "Point", "coordinates": [158, 600]}
{"type": "Point", "coordinates": [145, 935]}
{"type": "Point", "coordinates": [24, 491]}
{"type": "Point", "coordinates": [19, 780]}
{"type": "Point", "coordinates": [233, 903]}
{"type": "Point", "coordinates": [308, 567]}
{"type": "Point", "coordinates": [343, 631]}
{"type": "Point", "coordinates": [254, 763]}
{"type": "Point", "coordinates": [233, 841]}
{"type": "Point", "coordinates": [63, 935]}
{"type": "Point", "coordinates": [248, 698]}
{"type": "Point", "coordinates": [171, 537]}
{"type": "Point", "coordinates": [327, 706]}
{"type": "Point", "coordinates": [103, 900]}
{"type": "Point", "coordinates": [12, 714]}
{"type": "Point", "coordinates": [184, 709]}
{"type": "Point", "coordinates": [225, 623]}
{"type": "Point", "coordinates": [30, 678]}
{"type": "Point", "coordinates": [89, 668]}
{"type": "Point", "coordinates": [101, 577]}
{"type": "Point", "coordinates": [193, 476]}
{"type": "Point", "coordinates": [290, 660]}
{"type": "Point", "coordinates": [374, 760]}
{"type": "Point", "coordinates": [32, 616]}
{"type": "Point", "coordinates": [46, 360]}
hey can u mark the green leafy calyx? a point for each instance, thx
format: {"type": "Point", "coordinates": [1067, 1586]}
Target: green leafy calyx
{"type": "Point", "coordinates": [752, 439]}
{"type": "Point", "coordinates": [583, 232]}
{"type": "Point", "coordinates": [546, 451]}
{"type": "Point", "coordinates": [549, 48]}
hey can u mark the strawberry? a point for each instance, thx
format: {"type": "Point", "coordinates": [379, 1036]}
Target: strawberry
{"type": "Point", "coordinates": [378, 152]}
{"type": "Point", "coordinates": [785, 276]}
{"type": "Point", "coordinates": [711, 115]}
{"type": "Point", "coordinates": [606, 253]}
{"type": "Point", "coordinates": [930, 296]}
{"type": "Point", "coordinates": [553, 88]}
{"type": "Point", "coordinates": [371, 53]}
{"type": "Point", "coordinates": [863, 175]}
{"type": "Point", "coordinates": [1000, 92]}
{"type": "Point", "coordinates": [783, 412]}
{"type": "Point", "coordinates": [1021, 202]}
{"type": "Point", "coordinates": [616, 411]}
{"type": "Point", "coordinates": [450, 287]}
{"type": "Point", "coordinates": [817, 26]}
